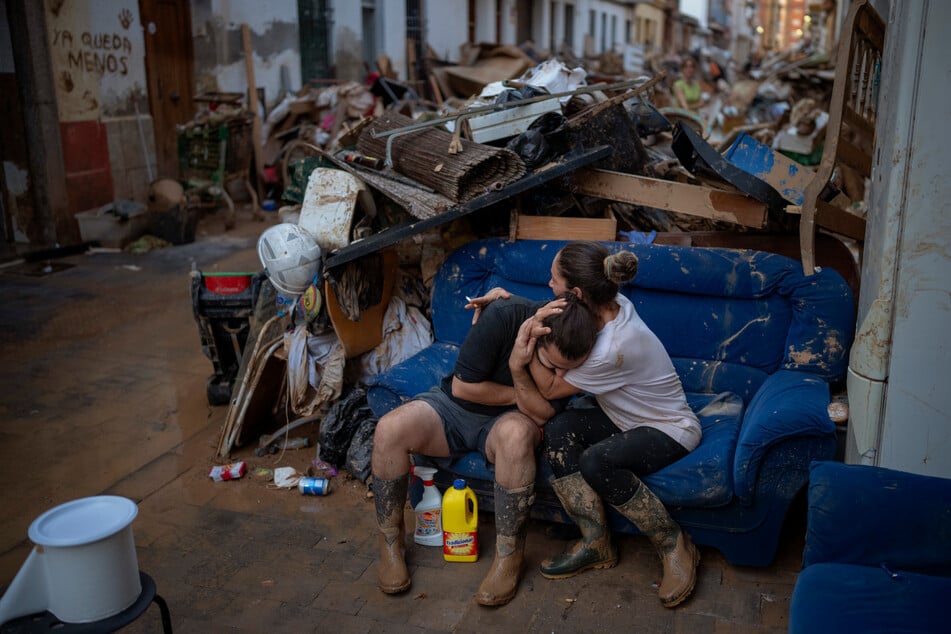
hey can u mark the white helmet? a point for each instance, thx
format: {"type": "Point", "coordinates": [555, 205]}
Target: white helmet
{"type": "Point", "coordinates": [291, 257]}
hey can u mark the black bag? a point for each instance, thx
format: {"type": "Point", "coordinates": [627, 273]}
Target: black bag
{"type": "Point", "coordinates": [340, 425]}
{"type": "Point", "coordinates": [544, 140]}
{"type": "Point", "coordinates": [361, 450]}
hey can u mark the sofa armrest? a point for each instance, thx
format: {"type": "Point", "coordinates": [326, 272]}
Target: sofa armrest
{"type": "Point", "coordinates": [788, 404]}
{"type": "Point", "coordinates": [413, 376]}
{"type": "Point", "coordinates": [872, 516]}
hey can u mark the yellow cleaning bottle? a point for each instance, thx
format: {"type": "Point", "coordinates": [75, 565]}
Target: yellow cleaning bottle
{"type": "Point", "coordinates": [460, 523]}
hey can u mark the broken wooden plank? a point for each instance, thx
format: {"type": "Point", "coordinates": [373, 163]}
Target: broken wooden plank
{"type": "Point", "coordinates": [835, 219]}
{"type": "Point", "coordinates": [393, 234]}
{"type": "Point", "coordinates": [694, 200]}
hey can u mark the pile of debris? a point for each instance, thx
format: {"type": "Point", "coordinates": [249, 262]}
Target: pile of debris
{"type": "Point", "coordinates": [370, 172]}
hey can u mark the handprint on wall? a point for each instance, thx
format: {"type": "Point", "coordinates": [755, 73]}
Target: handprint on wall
{"type": "Point", "coordinates": [89, 101]}
{"type": "Point", "coordinates": [125, 18]}
{"type": "Point", "coordinates": [66, 81]}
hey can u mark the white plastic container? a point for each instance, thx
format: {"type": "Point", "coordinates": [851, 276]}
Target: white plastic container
{"type": "Point", "coordinates": [428, 510]}
{"type": "Point", "coordinates": [83, 568]}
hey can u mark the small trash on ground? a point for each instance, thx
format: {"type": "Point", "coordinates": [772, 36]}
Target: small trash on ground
{"type": "Point", "coordinates": [313, 486]}
{"type": "Point", "coordinates": [231, 471]}
{"type": "Point", "coordinates": [286, 477]}
{"type": "Point", "coordinates": [322, 469]}
{"type": "Point", "coordinates": [262, 473]}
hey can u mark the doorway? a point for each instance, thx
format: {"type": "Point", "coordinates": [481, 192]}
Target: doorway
{"type": "Point", "coordinates": [316, 22]}
{"type": "Point", "coordinates": [525, 17]}
{"type": "Point", "coordinates": [169, 61]}
{"type": "Point", "coordinates": [415, 35]}
{"type": "Point", "coordinates": [369, 25]}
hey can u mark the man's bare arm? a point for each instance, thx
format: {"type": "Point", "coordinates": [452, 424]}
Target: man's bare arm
{"type": "Point", "coordinates": [483, 392]}
{"type": "Point", "coordinates": [529, 400]}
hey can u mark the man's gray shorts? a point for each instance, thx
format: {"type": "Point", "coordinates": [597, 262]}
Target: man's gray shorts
{"type": "Point", "coordinates": [465, 431]}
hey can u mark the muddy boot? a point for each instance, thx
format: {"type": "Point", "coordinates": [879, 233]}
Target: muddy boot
{"type": "Point", "coordinates": [594, 549]}
{"type": "Point", "coordinates": [390, 497]}
{"type": "Point", "coordinates": [678, 554]}
{"type": "Point", "coordinates": [511, 515]}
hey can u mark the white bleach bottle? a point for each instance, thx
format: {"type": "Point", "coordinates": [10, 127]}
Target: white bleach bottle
{"type": "Point", "coordinates": [428, 510]}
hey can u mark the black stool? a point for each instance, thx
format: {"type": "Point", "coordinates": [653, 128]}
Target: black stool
{"type": "Point", "coordinates": [46, 622]}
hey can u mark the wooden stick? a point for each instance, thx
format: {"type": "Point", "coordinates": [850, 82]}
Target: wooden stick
{"type": "Point", "coordinates": [253, 104]}
{"type": "Point", "coordinates": [437, 94]}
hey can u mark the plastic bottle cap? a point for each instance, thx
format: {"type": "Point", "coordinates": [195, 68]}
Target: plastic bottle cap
{"type": "Point", "coordinates": [459, 484]}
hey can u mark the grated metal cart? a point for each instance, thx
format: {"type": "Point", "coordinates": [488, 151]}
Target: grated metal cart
{"type": "Point", "coordinates": [212, 154]}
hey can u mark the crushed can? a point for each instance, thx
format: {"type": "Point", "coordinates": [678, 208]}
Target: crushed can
{"type": "Point", "coordinates": [313, 486]}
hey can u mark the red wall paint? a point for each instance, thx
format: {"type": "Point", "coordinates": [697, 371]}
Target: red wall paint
{"type": "Point", "coordinates": [86, 159]}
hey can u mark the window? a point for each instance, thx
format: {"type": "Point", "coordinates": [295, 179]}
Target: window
{"type": "Point", "coordinates": [570, 26]}
{"type": "Point", "coordinates": [604, 31]}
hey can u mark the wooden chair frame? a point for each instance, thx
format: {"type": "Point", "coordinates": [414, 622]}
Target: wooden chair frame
{"type": "Point", "coordinates": [852, 114]}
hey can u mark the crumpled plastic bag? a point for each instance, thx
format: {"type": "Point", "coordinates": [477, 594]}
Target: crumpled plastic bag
{"type": "Point", "coordinates": [314, 369]}
{"type": "Point", "coordinates": [554, 77]}
{"type": "Point", "coordinates": [405, 332]}
{"type": "Point", "coordinates": [286, 477]}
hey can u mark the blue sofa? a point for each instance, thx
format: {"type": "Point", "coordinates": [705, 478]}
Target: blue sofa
{"type": "Point", "coordinates": [756, 345]}
{"type": "Point", "coordinates": [878, 552]}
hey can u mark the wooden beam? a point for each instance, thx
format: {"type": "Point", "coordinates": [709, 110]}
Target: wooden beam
{"type": "Point", "coordinates": [253, 105]}
{"type": "Point", "coordinates": [839, 220]}
{"type": "Point", "coordinates": [835, 219]}
{"type": "Point", "coordinates": [694, 200]}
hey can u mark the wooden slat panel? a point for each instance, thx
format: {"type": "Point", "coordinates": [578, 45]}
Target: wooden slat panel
{"type": "Point", "coordinates": [693, 200]}
{"type": "Point", "coordinates": [862, 125]}
{"type": "Point", "coordinates": [852, 156]}
{"type": "Point", "coordinates": [562, 228]}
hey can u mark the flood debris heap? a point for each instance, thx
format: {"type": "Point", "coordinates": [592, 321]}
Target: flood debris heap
{"type": "Point", "coordinates": [379, 181]}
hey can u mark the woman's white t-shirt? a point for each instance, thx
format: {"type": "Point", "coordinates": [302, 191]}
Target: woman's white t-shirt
{"type": "Point", "coordinates": [634, 381]}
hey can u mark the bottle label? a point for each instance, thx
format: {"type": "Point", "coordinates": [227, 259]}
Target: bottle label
{"type": "Point", "coordinates": [460, 544]}
{"type": "Point", "coordinates": [427, 523]}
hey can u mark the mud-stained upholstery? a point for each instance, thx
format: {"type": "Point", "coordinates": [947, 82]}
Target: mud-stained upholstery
{"type": "Point", "coordinates": [755, 342]}
{"type": "Point", "coordinates": [878, 552]}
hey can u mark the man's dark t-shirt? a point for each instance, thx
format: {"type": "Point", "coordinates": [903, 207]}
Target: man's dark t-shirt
{"type": "Point", "coordinates": [484, 355]}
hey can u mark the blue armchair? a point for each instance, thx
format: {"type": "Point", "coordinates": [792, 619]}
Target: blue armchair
{"type": "Point", "coordinates": [878, 552]}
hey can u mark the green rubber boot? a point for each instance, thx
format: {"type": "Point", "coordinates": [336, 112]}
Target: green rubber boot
{"type": "Point", "coordinates": [594, 549]}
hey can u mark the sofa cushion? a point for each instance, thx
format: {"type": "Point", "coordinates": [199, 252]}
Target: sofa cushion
{"type": "Point", "coordinates": [835, 597]}
{"type": "Point", "coordinates": [712, 377]}
{"type": "Point", "coordinates": [704, 477]}
{"type": "Point", "coordinates": [728, 306]}
{"type": "Point", "coordinates": [905, 518]}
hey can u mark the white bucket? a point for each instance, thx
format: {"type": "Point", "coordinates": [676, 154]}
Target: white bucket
{"type": "Point", "coordinates": [84, 566]}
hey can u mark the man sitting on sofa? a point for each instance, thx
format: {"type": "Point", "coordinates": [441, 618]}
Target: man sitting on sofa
{"type": "Point", "coordinates": [489, 403]}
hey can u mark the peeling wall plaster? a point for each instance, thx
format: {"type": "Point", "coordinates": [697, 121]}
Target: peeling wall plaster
{"type": "Point", "coordinates": [219, 50]}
